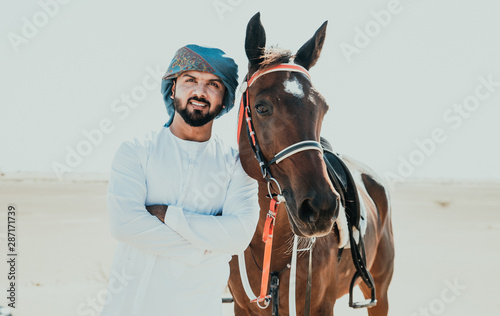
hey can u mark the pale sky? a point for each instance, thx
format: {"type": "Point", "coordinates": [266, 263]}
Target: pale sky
{"type": "Point", "coordinates": [413, 85]}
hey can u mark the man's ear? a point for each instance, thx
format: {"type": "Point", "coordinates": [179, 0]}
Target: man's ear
{"type": "Point", "coordinates": [172, 95]}
{"type": "Point", "coordinates": [224, 97]}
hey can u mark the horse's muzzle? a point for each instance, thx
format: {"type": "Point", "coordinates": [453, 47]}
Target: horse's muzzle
{"type": "Point", "coordinates": [316, 214]}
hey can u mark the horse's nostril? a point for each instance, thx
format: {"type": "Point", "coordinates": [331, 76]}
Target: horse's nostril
{"type": "Point", "coordinates": [311, 210]}
{"type": "Point", "coordinates": [307, 213]}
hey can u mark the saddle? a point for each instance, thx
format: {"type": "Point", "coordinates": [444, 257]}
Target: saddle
{"type": "Point", "coordinates": [344, 184]}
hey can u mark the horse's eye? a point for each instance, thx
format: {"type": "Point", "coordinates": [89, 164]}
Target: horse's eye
{"type": "Point", "coordinates": [261, 109]}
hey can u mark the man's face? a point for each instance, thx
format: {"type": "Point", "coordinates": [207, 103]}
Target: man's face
{"type": "Point", "coordinates": [198, 97]}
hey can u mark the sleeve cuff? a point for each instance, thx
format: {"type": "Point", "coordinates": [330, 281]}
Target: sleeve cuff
{"type": "Point", "coordinates": [173, 219]}
{"type": "Point", "coordinates": [173, 216]}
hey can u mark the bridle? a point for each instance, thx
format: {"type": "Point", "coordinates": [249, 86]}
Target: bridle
{"type": "Point", "coordinates": [276, 199]}
{"type": "Point", "coordinates": [245, 112]}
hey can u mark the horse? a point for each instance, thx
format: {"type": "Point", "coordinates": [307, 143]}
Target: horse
{"type": "Point", "coordinates": [286, 112]}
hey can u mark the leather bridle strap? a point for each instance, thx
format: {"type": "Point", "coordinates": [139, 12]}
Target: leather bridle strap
{"type": "Point", "coordinates": [280, 67]}
{"type": "Point", "coordinates": [267, 238]}
{"type": "Point", "coordinates": [307, 308]}
{"type": "Point", "coordinates": [294, 149]}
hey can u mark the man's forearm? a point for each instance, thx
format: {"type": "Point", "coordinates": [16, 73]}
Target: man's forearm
{"type": "Point", "coordinates": [158, 210]}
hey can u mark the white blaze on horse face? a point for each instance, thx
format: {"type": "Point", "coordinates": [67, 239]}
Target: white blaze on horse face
{"type": "Point", "coordinates": [294, 87]}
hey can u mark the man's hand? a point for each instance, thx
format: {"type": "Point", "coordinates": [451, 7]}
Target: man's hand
{"type": "Point", "coordinates": [158, 210]}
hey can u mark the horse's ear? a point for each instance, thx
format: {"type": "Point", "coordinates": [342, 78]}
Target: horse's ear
{"type": "Point", "coordinates": [255, 41]}
{"type": "Point", "coordinates": [309, 53]}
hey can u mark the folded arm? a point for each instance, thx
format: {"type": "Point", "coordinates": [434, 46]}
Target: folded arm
{"type": "Point", "coordinates": [130, 222]}
{"type": "Point", "coordinates": [232, 231]}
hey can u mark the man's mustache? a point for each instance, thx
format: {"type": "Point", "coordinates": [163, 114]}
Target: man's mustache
{"type": "Point", "coordinates": [203, 100]}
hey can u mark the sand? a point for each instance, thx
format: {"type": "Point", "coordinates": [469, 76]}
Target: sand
{"type": "Point", "coordinates": [447, 248]}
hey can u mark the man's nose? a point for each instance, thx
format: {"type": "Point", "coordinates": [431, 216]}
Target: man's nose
{"type": "Point", "coordinates": [200, 90]}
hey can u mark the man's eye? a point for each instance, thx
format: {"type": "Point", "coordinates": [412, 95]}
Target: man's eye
{"type": "Point", "coordinates": [214, 84]}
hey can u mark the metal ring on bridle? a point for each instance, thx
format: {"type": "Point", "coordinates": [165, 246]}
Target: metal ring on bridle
{"type": "Point", "coordinates": [269, 183]}
{"type": "Point", "coordinates": [266, 303]}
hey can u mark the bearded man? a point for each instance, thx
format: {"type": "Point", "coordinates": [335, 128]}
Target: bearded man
{"type": "Point", "coordinates": [180, 204]}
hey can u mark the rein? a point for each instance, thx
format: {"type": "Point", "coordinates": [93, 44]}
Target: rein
{"type": "Point", "coordinates": [268, 233]}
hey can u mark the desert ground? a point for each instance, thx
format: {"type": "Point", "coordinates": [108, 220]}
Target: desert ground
{"type": "Point", "coordinates": [447, 237]}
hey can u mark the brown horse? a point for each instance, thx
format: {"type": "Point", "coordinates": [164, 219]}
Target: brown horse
{"type": "Point", "coordinates": [286, 109]}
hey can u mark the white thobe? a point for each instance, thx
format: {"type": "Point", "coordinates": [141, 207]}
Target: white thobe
{"type": "Point", "coordinates": [180, 267]}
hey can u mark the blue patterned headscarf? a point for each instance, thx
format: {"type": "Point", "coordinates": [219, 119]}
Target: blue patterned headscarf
{"type": "Point", "coordinates": [199, 58]}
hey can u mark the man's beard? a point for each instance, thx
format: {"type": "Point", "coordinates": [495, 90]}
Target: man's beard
{"type": "Point", "coordinates": [196, 118]}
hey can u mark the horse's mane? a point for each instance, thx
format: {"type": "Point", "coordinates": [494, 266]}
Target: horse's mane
{"type": "Point", "coordinates": [274, 56]}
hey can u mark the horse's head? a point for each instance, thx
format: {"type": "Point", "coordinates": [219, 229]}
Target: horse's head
{"type": "Point", "coordinates": [286, 109]}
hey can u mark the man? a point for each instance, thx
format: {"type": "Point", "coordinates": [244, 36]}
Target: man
{"type": "Point", "coordinates": [173, 260]}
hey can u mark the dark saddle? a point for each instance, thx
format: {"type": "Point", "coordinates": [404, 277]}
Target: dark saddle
{"type": "Point", "coordinates": [344, 184]}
